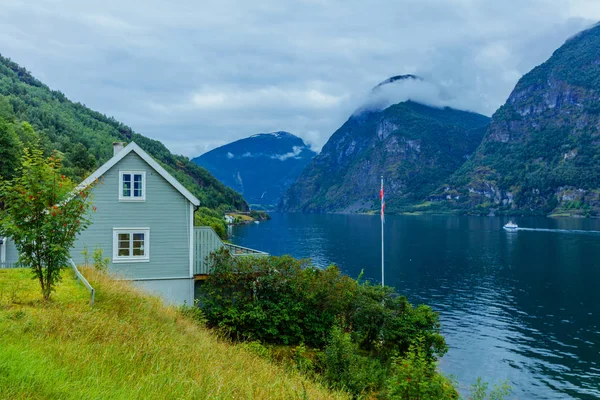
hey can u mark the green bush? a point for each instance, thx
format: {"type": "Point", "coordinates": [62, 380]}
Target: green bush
{"type": "Point", "coordinates": [100, 262]}
{"type": "Point", "coordinates": [414, 377]}
{"type": "Point", "coordinates": [332, 325]}
{"type": "Point", "coordinates": [479, 391]}
{"type": "Point", "coordinates": [282, 300]}
{"type": "Point", "coordinates": [344, 367]}
{"type": "Point", "coordinates": [277, 300]}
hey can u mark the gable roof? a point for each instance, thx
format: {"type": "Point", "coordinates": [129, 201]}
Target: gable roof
{"type": "Point", "coordinates": [132, 147]}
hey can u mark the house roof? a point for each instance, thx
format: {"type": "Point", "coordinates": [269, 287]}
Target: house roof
{"type": "Point", "coordinates": [132, 147]}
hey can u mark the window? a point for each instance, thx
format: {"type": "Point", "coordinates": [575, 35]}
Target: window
{"type": "Point", "coordinates": [132, 186]}
{"type": "Point", "coordinates": [131, 245]}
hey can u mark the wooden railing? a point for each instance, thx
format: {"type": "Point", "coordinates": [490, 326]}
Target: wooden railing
{"type": "Point", "coordinates": [206, 241]}
{"type": "Point", "coordinates": [236, 250]}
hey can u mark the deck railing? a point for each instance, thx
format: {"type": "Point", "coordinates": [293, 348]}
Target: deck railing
{"type": "Point", "coordinates": [206, 241]}
{"type": "Point", "coordinates": [84, 281]}
{"type": "Point", "coordinates": [236, 250]}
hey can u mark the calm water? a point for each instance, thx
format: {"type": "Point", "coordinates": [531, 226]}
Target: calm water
{"type": "Point", "coordinates": [522, 306]}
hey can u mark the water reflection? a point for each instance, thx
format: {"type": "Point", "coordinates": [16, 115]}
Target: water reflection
{"type": "Point", "coordinates": [522, 306]}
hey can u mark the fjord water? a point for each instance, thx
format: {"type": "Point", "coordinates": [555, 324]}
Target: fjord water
{"type": "Point", "coordinates": [519, 306]}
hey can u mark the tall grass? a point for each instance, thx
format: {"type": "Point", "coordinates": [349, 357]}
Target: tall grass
{"type": "Point", "coordinates": [129, 345]}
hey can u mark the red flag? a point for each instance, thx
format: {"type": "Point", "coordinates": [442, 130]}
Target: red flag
{"type": "Point", "coordinates": [382, 197]}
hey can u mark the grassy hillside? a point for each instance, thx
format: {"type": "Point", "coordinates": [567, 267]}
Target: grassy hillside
{"type": "Point", "coordinates": [127, 346]}
{"type": "Point", "coordinates": [85, 136]}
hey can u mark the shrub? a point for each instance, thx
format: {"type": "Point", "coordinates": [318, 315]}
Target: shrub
{"type": "Point", "coordinates": [100, 262]}
{"type": "Point", "coordinates": [345, 368]}
{"type": "Point", "coordinates": [414, 377]}
{"type": "Point", "coordinates": [277, 300]}
{"type": "Point", "coordinates": [331, 324]}
{"type": "Point", "coordinates": [384, 323]}
{"type": "Point", "coordinates": [479, 391]}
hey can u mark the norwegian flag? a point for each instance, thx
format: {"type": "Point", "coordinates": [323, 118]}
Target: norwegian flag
{"type": "Point", "coordinates": [382, 197]}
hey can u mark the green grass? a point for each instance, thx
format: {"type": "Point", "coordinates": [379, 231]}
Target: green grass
{"type": "Point", "coordinates": [129, 345]}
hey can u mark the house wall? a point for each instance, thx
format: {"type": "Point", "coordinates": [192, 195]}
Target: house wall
{"type": "Point", "coordinates": [172, 291]}
{"type": "Point", "coordinates": [166, 212]}
{"type": "Point", "coordinates": [12, 256]}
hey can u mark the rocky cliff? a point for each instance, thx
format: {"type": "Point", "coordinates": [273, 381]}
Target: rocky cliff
{"type": "Point", "coordinates": [415, 147]}
{"type": "Point", "coordinates": [541, 152]}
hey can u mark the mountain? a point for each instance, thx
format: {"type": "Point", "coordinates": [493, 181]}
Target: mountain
{"type": "Point", "coordinates": [541, 152]}
{"type": "Point", "coordinates": [414, 146]}
{"type": "Point", "coordinates": [261, 167]}
{"type": "Point", "coordinates": [85, 137]}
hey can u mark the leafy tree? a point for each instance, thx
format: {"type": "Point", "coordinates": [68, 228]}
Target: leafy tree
{"type": "Point", "coordinates": [43, 215]}
{"type": "Point", "coordinates": [10, 149]}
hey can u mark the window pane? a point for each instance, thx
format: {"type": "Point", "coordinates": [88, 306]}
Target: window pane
{"type": "Point", "coordinates": [123, 249]}
{"type": "Point", "coordinates": [138, 236]}
{"type": "Point", "coordinates": [138, 244]}
{"type": "Point", "coordinates": [126, 185]}
{"type": "Point", "coordinates": [137, 185]}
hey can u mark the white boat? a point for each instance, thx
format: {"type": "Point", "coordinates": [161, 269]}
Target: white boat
{"type": "Point", "coordinates": [511, 226]}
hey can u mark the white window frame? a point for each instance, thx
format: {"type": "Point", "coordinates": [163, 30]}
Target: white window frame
{"type": "Point", "coordinates": [131, 197]}
{"type": "Point", "coordinates": [130, 259]}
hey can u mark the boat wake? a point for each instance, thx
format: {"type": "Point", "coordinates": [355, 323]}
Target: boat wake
{"type": "Point", "coordinates": [574, 231]}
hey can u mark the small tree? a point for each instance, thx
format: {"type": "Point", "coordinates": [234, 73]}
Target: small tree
{"type": "Point", "coordinates": [43, 215]}
{"type": "Point", "coordinates": [100, 262]}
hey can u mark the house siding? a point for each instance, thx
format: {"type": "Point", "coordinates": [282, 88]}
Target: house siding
{"type": "Point", "coordinates": [12, 256]}
{"type": "Point", "coordinates": [165, 212]}
{"type": "Point", "coordinates": [172, 291]}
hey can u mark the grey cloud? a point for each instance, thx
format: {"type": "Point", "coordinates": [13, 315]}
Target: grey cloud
{"type": "Point", "coordinates": [200, 74]}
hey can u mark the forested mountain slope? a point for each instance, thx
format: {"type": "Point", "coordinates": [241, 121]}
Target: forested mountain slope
{"type": "Point", "coordinates": [541, 152]}
{"type": "Point", "coordinates": [260, 167]}
{"type": "Point", "coordinates": [85, 136]}
{"type": "Point", "coordinates": [414, 146]}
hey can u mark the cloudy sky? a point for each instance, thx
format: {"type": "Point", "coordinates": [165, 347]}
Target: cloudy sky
{"type": "Point", "coordinates": [198, 74]}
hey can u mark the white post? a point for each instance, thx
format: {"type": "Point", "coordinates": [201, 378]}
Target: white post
{"type": "Point", "coordinates": [382, 251]}
{"type": "Point", "coordinates": [3, 251]}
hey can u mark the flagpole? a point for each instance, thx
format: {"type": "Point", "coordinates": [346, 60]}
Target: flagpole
{"type": "Point", "coordinates": [382, 216]}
